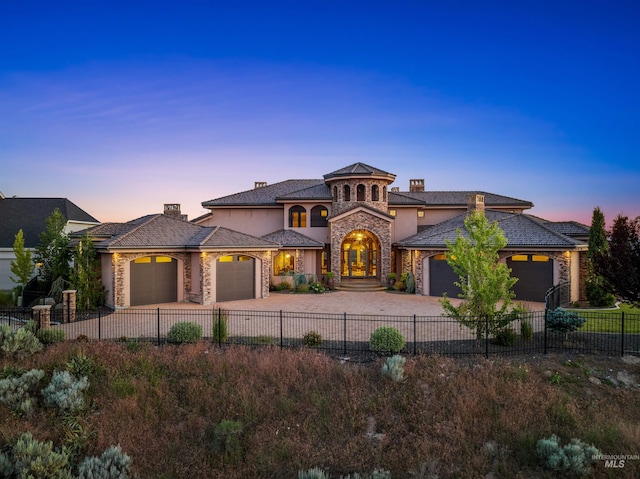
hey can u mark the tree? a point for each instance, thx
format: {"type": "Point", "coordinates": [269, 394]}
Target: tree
{"type": "Point", "coordinates": [620, 266]}
{"type": "Point", "coordinates": [595, 287]}
{"type": "Point", "coordinates": [86, 275]}
{"type": "Point", "coordinates": [53, 251]}
{"type": "Point", "coordinates": [486, 283]}
{"type": "Point", "coordinates": [22, 267]}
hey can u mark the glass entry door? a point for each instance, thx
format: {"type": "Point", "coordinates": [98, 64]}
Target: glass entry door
{"type": "Point", "coordinates": [360, 255]}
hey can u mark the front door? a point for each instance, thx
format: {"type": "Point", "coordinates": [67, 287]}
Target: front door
{"type": "Point", "coordinates": [360, 250]}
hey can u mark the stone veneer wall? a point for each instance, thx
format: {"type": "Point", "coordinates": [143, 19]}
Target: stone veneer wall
{"type": "Point", "coordinates": [361, 221]}
{"type": "Point", "coordinates": [120, 260]}
{"type": "Point", "coordinates": [341, 205]}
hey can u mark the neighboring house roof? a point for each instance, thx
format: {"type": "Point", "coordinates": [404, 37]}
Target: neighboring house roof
{"type": "Point", "coordinates": [358, 169]}
{"type": "Point", "coordinates": [292, 239]}
{"type": "Point", "coordinates": [30, 215]}
{"type": "Point", "coordinates": [456, 198]}
{"type": "Point", "coordinates": [159, 231]}
{"type": "Point", "coordinates": [521, 231]}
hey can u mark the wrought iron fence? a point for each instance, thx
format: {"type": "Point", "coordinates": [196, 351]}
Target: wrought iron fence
{"type": "Point", "coordinates": [612, 334]}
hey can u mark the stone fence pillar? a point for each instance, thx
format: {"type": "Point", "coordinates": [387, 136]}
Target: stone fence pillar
{"type": "Point", "coordinates": [69, 306]}
{"type": "Point", "coordinates": [42, 315]}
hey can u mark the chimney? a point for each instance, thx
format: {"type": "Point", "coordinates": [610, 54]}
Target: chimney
{"type": "Point", "coordinates": [395, 189]}
{"type": "Point", "coordinates": [416, 185]}
{"type": "Point", "coordinates": [259, 184]}
{"type": "Point", "coordinates": [172, 210]}
{"type": "Point", "coordinates": [475, 203]}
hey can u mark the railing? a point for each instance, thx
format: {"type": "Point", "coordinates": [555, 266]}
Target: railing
{"type": "Point", "coordinates": [348, 334]}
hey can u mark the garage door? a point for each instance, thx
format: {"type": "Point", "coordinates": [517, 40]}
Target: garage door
{"type": "Point", "coordinates": [534, 273]}
{"type": "Point", "coordinates": [442, 278]}
{"type": "Point", "coordinates": [154, 279]}
{"type": "Point", "coordinates": [235, 278]}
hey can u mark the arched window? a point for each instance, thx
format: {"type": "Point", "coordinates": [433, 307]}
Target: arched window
{"type": "Point", "coordinates": [360, 192]}
{"type": "Point", "coordinates": [347, 193]}
{"type": "Point", "coordinates": [297, 217]}
{"type": "Point", "coordinates": [283, 263]}
{"type": "Point", "coordinates": [375, 195]}
{"type": "Point", "coordinates": [384, 193]}
{"type": "Point", "coordinates": [335, 193]}
{"type": "Point", "coordinates": [319, 216]}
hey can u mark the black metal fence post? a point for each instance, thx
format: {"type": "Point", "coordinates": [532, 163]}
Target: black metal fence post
{"type": "Point", "coordinates": [344, 341]}
{"type": "Point", "coordinates": [158, 326]}
{"type": "Point", "coordinates": [415, 337]}
{"type": "Point", "coordinates": [486, 337]}
{"type": "Point", "coordinates": [99, 324]}
{"type": "Point", "coordinates": [545, 331]}
{"type": "Point", "coordinates": [622, 335]}
{"type": "Point", "coordinates": [281, 332]}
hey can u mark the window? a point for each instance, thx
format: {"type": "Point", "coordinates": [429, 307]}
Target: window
{"type": "Point", "coordinates": [360, 192]}
{"type": "Point", "coordinates": [539, 258]}
{"type": "Point", "coordinates": [347, 193]}
{"type": "Point", "coordinates": [384, 193]}
{"type": "Point", "coordinates": [393, 212]}
{"type": "Point", "coordinates": [297, 217]}
{"type": "Point", "coordinates": [283, 262]}
{"type": "Point", "coordinates": [420, 213]}
{"type": "Point", "coordinates": [375, 193]}
{"type": "Point", "coordinates": [520, 257]}
{"type": "Point", "coordinates": [319, 216]}
{"type": "Point", "coordinates": [335, 193]}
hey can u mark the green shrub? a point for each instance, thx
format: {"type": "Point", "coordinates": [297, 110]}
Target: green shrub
{"type": "Point", "coordinates": [573, 458]}
{"type": "Point", "coordinates": [18, 343]}
{"type": "Point", "coordinates": [562, 321]}
{"type": "Point", "coordinates": [66, 392]}
{"type": "Point", "coordinates": [7, 299]}
{"type": "Point", "coordinates": [386, 340]}
{"type": "Point", "coordinates": [597, 295]}
{"type": "Point", "coordinates": [112, 464]}
{"type": "Point", "coordinates": [302, 288]}
{"type": "Point", "coordinates": [220, 327]}
{"type": "Point", "coordinates": [399, 286]}
{"type": "Point", "coordinates": [315, 473]}
{"type": "Point", "coordinates": [37, 460]}
{"type": "Point", "coordinates": [283, 286]}
{"type": "Point", "coordinates": [227, 440]}
{"type": "Point", "coordinates": [298, 280]}
{"type": "Point", "coordinates": [394, 368]}
{"type": "Point", "coordinates": [16, 391]}
{"type": "Point", "coordinates": [312, 338]}
{"type": "Point", "coordinates": [316, 287]}
{"type": "Point", "coordinates": [506, 337]}
{"type": "Point", "coordinates": [526, 330]}
{"type": "Point", "coordinates": [410, 283]}
{"type": "Point", "coordinates": [184, 332]}
{"type": "Point", "coordinates": [51, 335]}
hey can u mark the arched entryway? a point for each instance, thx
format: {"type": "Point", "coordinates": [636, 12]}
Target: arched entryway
{"type": "Point", "coordinates": [360, 252]}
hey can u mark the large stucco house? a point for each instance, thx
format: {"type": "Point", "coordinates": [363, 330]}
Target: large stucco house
{"type": "Point", "coordinates": [351, 222]}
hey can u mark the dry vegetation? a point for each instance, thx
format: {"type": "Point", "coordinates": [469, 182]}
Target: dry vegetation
{"type": "Point", "coordinates": [300, 409]}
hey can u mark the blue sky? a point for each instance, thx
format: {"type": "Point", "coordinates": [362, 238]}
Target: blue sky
{"type": "Point", "coordinates": [124, 106]}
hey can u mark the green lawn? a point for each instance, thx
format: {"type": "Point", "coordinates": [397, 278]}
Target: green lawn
{"type": "Point", "coordinates": [610, 321]}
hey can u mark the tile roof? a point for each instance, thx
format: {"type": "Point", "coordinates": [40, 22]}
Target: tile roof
{"type": "Point", "coordinates": [458, 198]}
{"type": "Point", "coordinates": [265, 195]}
{"type": "Point", "coordinates": [30, 215]}
{"type": "Point", "coordinates": [521, 230]}
{"type": "Point", "coordinates": [290, 239]}
{"type": "Point", "coordinates": [160, 231]}
{"type": "Point", "coordinates": [358, 169]}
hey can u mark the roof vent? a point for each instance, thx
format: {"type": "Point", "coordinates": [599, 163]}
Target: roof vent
{"type": "Point", "coordinates": [416, 185]}
{"type": "Point", "coordinates": [259, 184]}
{"type": "Point", "coordinates": [395, 189]}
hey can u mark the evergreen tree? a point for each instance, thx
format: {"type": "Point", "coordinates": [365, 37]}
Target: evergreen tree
{"type": "Point", "coordinates": [598, 247]}
{"type": "Point", "coordinates": [22, 267]}
{"type": "Point", "coordinates": [53, 251]}
{"type": "Point", "coordinates": [86, 275]}
{"type": "Point", "coordinates": [620, 267]}
{"type": "Point", "coordinates": [486, 283]}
